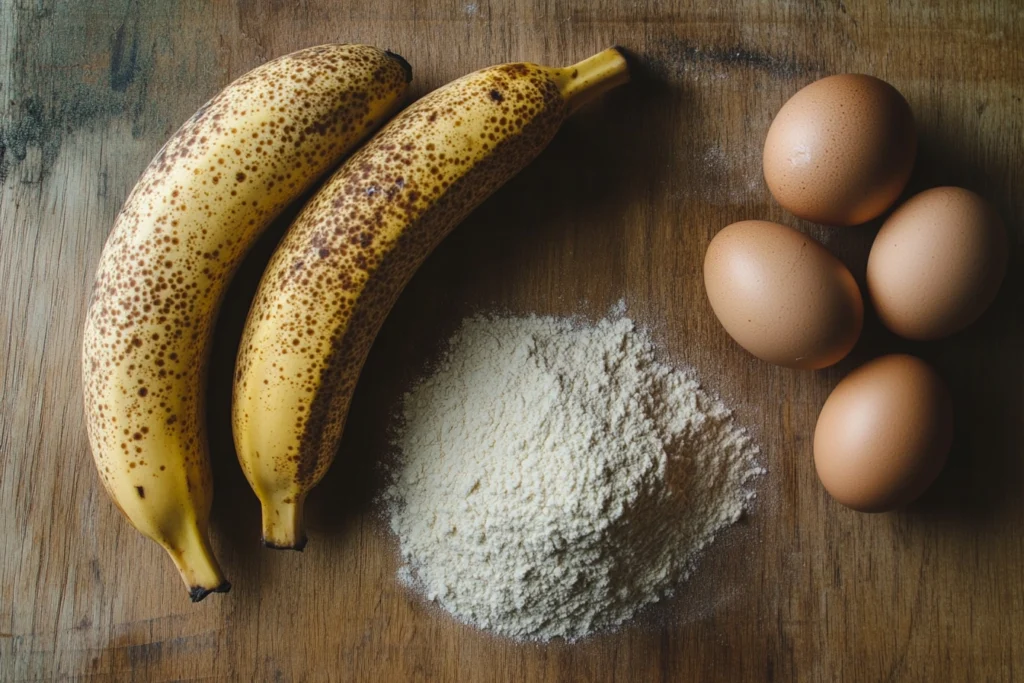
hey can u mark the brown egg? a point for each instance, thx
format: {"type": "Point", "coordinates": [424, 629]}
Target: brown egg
{"type": "Point", "coordinates": [781, 295]}
{"type": "Point", "coordinates": [883, 434]}
{"type": "Point", "coordinates": [937, 263]}
{"type": "Point", "coordinates": [840, 151]}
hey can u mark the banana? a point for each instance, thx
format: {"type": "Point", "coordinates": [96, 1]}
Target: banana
{"type": "Point", "coordinates": [342, 264]}
{"type": "Point", "coordinates": [200, 204]}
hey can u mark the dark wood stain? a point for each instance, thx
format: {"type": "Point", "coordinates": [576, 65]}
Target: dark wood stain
{"type": "Point", "coordinates": [676, 54]}
{"type": "Point", "coordinates": [123, 57]}
{"type": "Point", "coordinates": [54, 91]}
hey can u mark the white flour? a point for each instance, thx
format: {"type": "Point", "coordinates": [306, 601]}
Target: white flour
{"type": "Point", "coordinates": [554, 478]}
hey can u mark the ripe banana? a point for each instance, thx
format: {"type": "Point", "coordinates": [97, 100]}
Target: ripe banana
{"type": "Point", "coordinates": [344, 261]}
{"type": "Point", "coordinates": [197, 208]}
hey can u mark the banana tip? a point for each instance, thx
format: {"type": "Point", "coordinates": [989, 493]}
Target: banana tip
{"type": "Point", "coordinates": [197, 593]}
{"type": "Point", "coordinates": [299, 545]}
{"type": "Point", "coordinates": [406, 66]}
{"type": "Point", "coordinates": [627, 56]}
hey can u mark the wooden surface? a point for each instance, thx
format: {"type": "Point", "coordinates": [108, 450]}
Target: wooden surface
{"type": "Point", "coordinates": [621, 206]}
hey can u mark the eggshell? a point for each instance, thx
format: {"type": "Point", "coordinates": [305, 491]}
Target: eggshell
{"type": "Point", "coordinates": [841, 150]}
{"type": "Point", "coordinates": [937, 263]}
{"type": "Point", "coordinates": [781, 295]}
{"type": "Point", "coordinates": [884, 434]}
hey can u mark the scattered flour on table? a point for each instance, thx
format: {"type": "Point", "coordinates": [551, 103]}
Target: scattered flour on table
{"type": "Point", "coordinates": [554, 478]}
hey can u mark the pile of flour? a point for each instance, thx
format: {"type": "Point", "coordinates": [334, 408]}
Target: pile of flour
{"type": "Point", "coordinates": [554, 478]}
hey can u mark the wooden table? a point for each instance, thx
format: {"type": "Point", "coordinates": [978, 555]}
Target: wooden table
{"type": "Point", "coordinates": [621, 206]}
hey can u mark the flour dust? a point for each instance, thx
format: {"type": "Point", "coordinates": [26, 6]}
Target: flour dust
{"type": "Point", "coordinates": [554, 478]}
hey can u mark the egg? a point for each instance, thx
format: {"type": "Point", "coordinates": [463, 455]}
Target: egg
{"type": "Point", "coordinates": [883, 434]}
{"type": "Point", "coordinates": [937, 263]}
{"type": "Point", "coordinates": [781, 295]}
{"type": "Point", "coordinates": [840, 151]}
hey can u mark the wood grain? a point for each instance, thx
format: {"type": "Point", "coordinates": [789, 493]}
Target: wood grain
{"type": "Point", "coordinates": [621, 206]}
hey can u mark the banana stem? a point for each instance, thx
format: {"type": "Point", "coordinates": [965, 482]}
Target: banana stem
{"type": "Point", "coordinates": [594, 76]}
{"type": "Point", "coordinates": [282, 524]}
{"type": "Point", "coordinates": [197, 565]}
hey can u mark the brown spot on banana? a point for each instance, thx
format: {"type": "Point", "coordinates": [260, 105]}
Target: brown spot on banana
{"type": "Point", "coordinates": [174, 246]}
{"type": "Point", "coordinates": [347, 257]}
